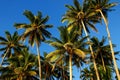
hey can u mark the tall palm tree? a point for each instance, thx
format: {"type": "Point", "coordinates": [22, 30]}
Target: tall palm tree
{"type": "Point", "coordinates": [78, 14]}
{"type": "Point", "coordinates": [102, 7]}
{"type": "Point", "coordinates": [102, 52]}
{"type": "Point", "coordinates": [82, 17]}
{"type": "Point", "coordinates": [35, 30]}
{"type": "Point", "coordinates": [20, 67]}
{"type": "Point", "coordinates": [9, 44]}
{"type": "Point", "coordinates": [103, 56]}
{"type": "Point", "coordinates": [88, 73]}
{"type": "Point", "coordinates": [69, 44]}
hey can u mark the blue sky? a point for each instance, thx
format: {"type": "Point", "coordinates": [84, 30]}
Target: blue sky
{"type": "Point", "coordinates": [11, 11]}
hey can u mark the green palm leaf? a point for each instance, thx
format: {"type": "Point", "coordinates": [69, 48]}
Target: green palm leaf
{"type": "Point", "coordinates": [29, 15]}
{"type": "Point", "coordinates": [77, 5]}
{"type": "Point", "coordinates": [70, 7]}
{"type": "Point", "coordinates": [21, 25]}
{"type": "Point", "coordinates": [44, 20]}
{"type": "Point", "coordinates": [8, 35]}
{"type": "Point", "coordinates": [3, 39]}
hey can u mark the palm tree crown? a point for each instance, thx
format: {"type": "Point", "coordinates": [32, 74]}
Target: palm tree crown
{"type": "Point", "coordinates": [20, 67]}
{"type": "Point", "coordinates": [36, 29]}
{"type": "Point", "coordinates": [78, 13]}
{"type": "Point", "coordinates": [11, 43]}
{"type": "Point", "coordinates": [69, 44]}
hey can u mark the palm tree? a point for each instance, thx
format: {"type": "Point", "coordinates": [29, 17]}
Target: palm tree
{"type": "Point", "coordinates": [102, 52]}
{"type": "Point", "coordinates": [35, 30]}
{"type": "Point", "coordinates": [82, 17]}
{"type": "Point", "coordinates": [88, 73]}
{"type": "Point", "coordinates": [103, 56]}
{"type": "Point", "coordinates": [79, 15]}
{"type": "Point", "coordinates": [102, 7]}
{"type": "Point", "coordinates": [51, 71]}
{"type": "Point", "coordinates": [20, 67]}
{"type": "Point", "coordinates": [69, 44]}
{"type": "Point", "coordinates": [9, 44]}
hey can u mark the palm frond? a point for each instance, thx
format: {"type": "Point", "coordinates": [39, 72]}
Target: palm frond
{"type": "Point", "coordinates": [29, 15]}
{"type": "Point", "coordinates": [46, 33]}
{"type": "Point", "coordinates": [79, 53]}
{"type": "Point", "coordinates": [2, 49]}
{"type": "Point", "coordinates": [63, 33]}
{"type": "Point", "coordinates": [3, 39]}
{"type": "Point", "coordinates": [39, 15]}
{"type": "Point", "coordinates": [55, 56]}
{"type": "Point", "coordinates": [70, 7]}
{"type": "Point", "coordinates": [56, 52]}
{"type": "Point", "coordinates": [44, 20]}
{"type": "Point", "coordinates": [8, 35]}
{"type": "Point", "coordinates": [92, 26]}
{"type": "Point", "coordinates": [21, 25]}
{"type": "Point", "coordinates": [56, 44]}
{"type": "Point", "coordinates": [77, 5]}
{"type": "Point", "coordinates": [48, 26]}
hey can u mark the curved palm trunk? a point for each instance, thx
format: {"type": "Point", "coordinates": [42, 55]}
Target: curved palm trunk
{"type": "Point", "coordinates": [103, 63]}
{"type": "Point", "coordinates": [4, 57]}
{"type": "Point", "coordinates": [39, 62]}
{"type": "Point", "coordinates": [111, 47]}
{"type": "Point", "coordinates": [94, 62]}
{"type": "Point", "coordinates": [70, 66]}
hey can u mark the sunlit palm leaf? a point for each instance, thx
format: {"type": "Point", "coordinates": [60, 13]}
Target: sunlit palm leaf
{"type": "Point", "coordinates": [56, 44]}
{"type": "Point", "coordinates": [54, 53]}
{"type": "Point", "coordinates": [21, 25]}
{"type": "Point", "coordinates": [79, 52]}
{"type": "Point", "coordinates": [32, 73]}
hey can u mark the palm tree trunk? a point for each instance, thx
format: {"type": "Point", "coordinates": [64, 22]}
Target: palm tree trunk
{"type": "Point", "coordinates": [70, 66]}
{"type": "Point", "coordinates": [63, 77]}
{"type": "Point", "coordinates": [46, 72]}
{"type": "Point", "coordinates": [103, 62]}
{"type": "Point", "coordinates": [4, 57]}
{"type": "Point", "coordinates": [91, 78]}
{"type": "Point", "coordinates": [93, 58]}
{"type": "Point", "coordinates": [111, 47]}
{"type": "Point", "coordinates": [39, 62]}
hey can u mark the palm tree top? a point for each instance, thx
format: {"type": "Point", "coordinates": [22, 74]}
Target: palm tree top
{"type": "Point", "coordinates": [78, 12]}
{"type": "Point", "coordinates": [11, 42]}
{"type": "Point", "coordinates": [36, 29]}
{"type": "Point", "coordinates": [68, 42]}
{"type": "Point", "coordinates": [102, 5]}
